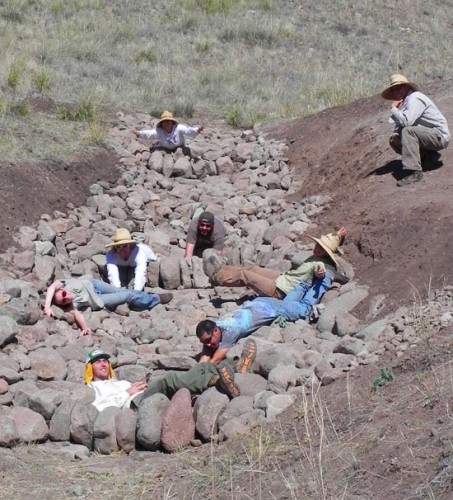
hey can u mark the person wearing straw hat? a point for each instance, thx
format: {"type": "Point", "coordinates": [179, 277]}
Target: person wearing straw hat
{"type": "Point", "coordinates": [319, 269]}
{"type": "Point", "coordinates": [170, 134]}
{"type": "Point", "coordinates": [420, 131]}
{"type": "Point", "coordinates": [127, 261]}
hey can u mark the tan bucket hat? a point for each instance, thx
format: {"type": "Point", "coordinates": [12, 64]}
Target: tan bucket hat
{"type": "Point", "coordinates": [330, 242]}
{"type": "Point", "coordinates": [397, 80]}
{"type": "Point", "coordinates": [166, 116]}
{"type": "Point", "coordinates": [121, 237]}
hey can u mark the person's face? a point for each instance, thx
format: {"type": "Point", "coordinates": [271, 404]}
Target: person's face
{"type": "Point", "coordinates": [167, 125]}
{"type": "Point", "coordinates": [204, 227]}
{"type": "Point", "coordinates": [62, 297]}
{"type": "Point", "coordinates": [318, 251]}
{"type": "Point", "coordinates": [100, 369]}
{"type": "Point", "coordinates": [399, 92]}
{"type": "Point", "coordinates": [211, 340]}
{"type": "Point", "coordinates": [124, 250]}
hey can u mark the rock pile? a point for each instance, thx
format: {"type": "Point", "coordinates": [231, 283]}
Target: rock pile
{"type": "Point", "coordinates": [243, 178]}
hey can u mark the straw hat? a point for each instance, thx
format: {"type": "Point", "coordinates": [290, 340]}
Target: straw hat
{"type": "Point", "coordinates": [122, 237]}
{"type": "Point", "coordinates": [166, 115]}
{"type": "Point", "coordinates": [330, 242]}
{"type": "Point", "coordinates": [397, 80]}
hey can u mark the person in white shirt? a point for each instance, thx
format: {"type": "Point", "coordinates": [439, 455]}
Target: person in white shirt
{"type": "Point", "coordinates": [420, 131]}
{"type": "Point", "coordinates": [127, 261]}
{"type": "Point", "coordinates": [170, 134]}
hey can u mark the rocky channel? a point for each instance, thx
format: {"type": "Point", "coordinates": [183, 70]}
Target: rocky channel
{"type": "Point", "coordinates": [243, 177]}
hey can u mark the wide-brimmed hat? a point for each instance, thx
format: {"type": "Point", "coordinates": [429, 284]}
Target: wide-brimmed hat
{"type": "Point", "coordinates": [121, 237]}
{"type": "Point", "coordinates": [166, 115]}
{"type": "Point", "coordinates": [397, 80]}
{"type": "Point", "coordinates": [330, 242]}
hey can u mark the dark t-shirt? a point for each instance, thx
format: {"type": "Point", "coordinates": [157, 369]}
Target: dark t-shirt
{"type": "Point", "coordinates": [215, 240]}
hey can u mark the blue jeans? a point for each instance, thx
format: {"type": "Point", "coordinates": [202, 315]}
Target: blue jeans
{"type": "Point", "coordinates": [299, 302]}
{"type": "Point", "coordinates": [113, 297]}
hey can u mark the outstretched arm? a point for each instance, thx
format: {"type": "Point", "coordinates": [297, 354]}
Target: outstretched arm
{"type": "Point", "coordinates": [56, 285]}
{"type": "Point", "coordinates": [218, 356]}
{"type": "Point", "coordinates": [81, 323]}
{"type": "Point", "coordinates": [341, 233]}
{"type": "Point", "coordinates": [189, 250]}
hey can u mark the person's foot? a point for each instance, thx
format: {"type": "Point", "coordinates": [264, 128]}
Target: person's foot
{"type": "Point", "coordinates": [212, 263]}
{"type": "Point", "coordinates": [248, 356]}
{"type": "Point", "coordinates": [226, 382]}
{"type": "Point", "coordinates": [410, 179]}
{"type": "Point", "coordinates": [165, 297]}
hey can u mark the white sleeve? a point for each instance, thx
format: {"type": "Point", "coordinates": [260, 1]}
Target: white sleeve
{"type": "Point", "coordinates": [188, 131]}
{"type": "Point", "coordinates": [144, 255]}
{"type": "Point", "coordinates": [409, 114]}
{"type": "Point", "coordinates": [148, 134]}
{"type": "Point", "coordinates": [113, 273]}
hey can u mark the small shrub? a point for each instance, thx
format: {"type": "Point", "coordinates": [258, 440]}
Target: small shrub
{"type": "Point", "coordinates": [42, 80]}
{"type": "Point", "coordinates": [20, 109]}
{"type": "Point", "coordinates": [64, 113]}
{"type": "Point", "coordinates": [203, 46]}
{"type": "Point", "coordinates": [146, 55]}
{"type": "Point", "coordinates": [384, 378]}
{"type": "Point", "coordinates": [15, 74]}
{"type": "Point", "coordinates": [234, 116]}
{"type": "Point", "coordinates": [95, 134]}
{"type": "Point", "coordinates": [86, 112]}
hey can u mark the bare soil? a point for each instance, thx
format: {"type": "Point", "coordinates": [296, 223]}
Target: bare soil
{"type": "Point", "coordinates": [394, 442]}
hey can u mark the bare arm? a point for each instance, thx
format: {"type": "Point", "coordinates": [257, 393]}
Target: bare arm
{"type": "Point", "coordinates": [189, 250]}
{"type": "Point", "coordinates": [56, 285]}
{"type": "Point", "coordinates": [81, 323]}
{"type": "Point", "coordinates": [137, 387]}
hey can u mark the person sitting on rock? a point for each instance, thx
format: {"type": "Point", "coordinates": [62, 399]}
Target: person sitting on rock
{"type": "Point", "coordinates": [75, 294]}
{"type": "Point", "coordinates": [170, 134]}
{"type": "Point", "coordinates": [420, 131]}
{"type": "Point", "coordinates": [219, 336]}
{"type": "Point", "coordinates": [108, 391]}
{"type": "Point", "coordinates": [205, 231]}
{"type": "Point", "coordinates": [321, 269]}
{"type": "Point", "coordinates": [127, 261]}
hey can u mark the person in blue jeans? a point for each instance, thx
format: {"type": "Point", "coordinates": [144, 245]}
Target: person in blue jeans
{"type": "Point", "coordinates": [76, 294]}
{"type": "Point", "coordinates": [219, 336]}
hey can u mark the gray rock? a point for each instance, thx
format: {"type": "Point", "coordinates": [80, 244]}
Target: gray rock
{"type": "Point", "coordinates": [104, 430]}
{"type": "Point", "coordinates": [277, 404]}
{"type": "Point", "coordinates": [232, 428]}
{"type": "Point", "coordinates": [48, 364]}
{"type": "Point", "coordinates": [209, 405]}
{"type": "Point", "coordinates": [82, 423]}
{"type": "Point", "coordinates": [45, 402]}
{"type": "Point", "coordinates": [60, 424]}
{"type": "Point", "coordinates": [126, 423]}
{"type": "Point", "coordinates": [31, 426]}
{"type": "Point", "coordinates": [149, 421]}
{"type": "Point", "coordinates": [8, 432]}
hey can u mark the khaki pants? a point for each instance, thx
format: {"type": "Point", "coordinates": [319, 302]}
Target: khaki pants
{"type": "Point", "coordinates": [259, 279]}
{"type": "Point", "coordinates": [412, 142]}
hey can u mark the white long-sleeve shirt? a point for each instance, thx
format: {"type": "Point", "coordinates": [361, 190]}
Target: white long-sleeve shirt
{"type": "Point", "coordinates": [174, 139]}
{"type": "Point", "coordinates": [418, 109]}
{"type": "Point", "coordinates": [139, 257]}
{"type": "Point", "coordinates": [111, 393]}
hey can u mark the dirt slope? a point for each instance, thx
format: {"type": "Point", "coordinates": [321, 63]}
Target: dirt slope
{"type": "Point", "coordinates": [398, 237]}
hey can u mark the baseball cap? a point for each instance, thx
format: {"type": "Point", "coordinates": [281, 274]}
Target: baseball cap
{"type": "Point", "coordinates": [96, 354]}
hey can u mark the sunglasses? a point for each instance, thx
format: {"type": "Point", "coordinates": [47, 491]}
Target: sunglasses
{"type": "Point", "coordinates": [205, 225]}
{"type": "Point", "coordinates": [65, 299]}
{"type": "Point", "coordinates": [122, 247]}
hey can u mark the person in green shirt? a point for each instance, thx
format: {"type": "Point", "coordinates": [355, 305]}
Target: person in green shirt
{"type": "Point", "coordinates": [322, 265]}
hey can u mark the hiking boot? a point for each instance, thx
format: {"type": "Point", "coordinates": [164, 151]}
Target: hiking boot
{"type": "Point", "coordinates": [410, 179]}
{"type": "Point", "coordinates": [165, 297]}
{"type": "Point", "coordinates": [248, 356]}
{"type": "Point", "coordinates": [212, 262]}
{"type": "Point", "coordinates": [226, 382]}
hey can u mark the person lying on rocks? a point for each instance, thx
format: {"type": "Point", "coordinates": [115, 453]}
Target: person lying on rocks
{"type": "Point", "coordinates": [127, 261]}
{"type": "Point", "coordinates": [170, 134]}
{"type": "Point", "coordinates": [420, 131]}
{"type": "Point", "coordinates": [205, 231]}
{"type": "Point", "coordinates": [76, 294]}
{"type": "Point", "coordinates": [108, 391]}
{"type": "Point", "coordinates": [219, 336]}
{"type": "Point", "coordinates": [319, 270]}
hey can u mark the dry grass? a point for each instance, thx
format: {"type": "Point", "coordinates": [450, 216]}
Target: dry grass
{"type": "Point", "coordinates": [245, 60]}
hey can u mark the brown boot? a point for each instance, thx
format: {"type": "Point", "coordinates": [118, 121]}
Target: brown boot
{"type": "Point", "coordinates": [227, 383]}
{"type": "Point", "coordinates": [248, 356]}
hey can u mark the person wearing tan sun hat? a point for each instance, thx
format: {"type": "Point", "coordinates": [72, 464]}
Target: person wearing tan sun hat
{"type": "Point", "coordinates": [420, 131]}
{"type": "Point", "coordinates": [127, 261]}
{"type": "Point", "coordinates": [170, 134]}
{"type": "Point", "coordinates": [320, 269]}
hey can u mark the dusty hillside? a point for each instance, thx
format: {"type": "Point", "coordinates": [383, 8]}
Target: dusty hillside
{"type": "Point", "coordinates": [398, 237]}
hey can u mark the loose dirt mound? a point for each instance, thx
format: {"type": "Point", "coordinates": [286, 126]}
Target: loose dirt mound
{"type": "Point", "coordinates": [398, 237]}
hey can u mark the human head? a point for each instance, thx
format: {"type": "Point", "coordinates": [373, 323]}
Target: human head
{"type": "Point", "coordinates": [399, 86]}
{"type": "Point", "coordinates": [326, 246]}
{"type": "Point", "coordinates": [62, 297]}
{"type": "Point", "coordinates": [205, 223]}
{"type": "Point", "coordinates": [122, 243]}
{"type": "Point", "coordinates": [167, 121]}
{"type": "Point", "coordinates": [209, 333]}
{"type": "Point", "coordinates": [98, 366]}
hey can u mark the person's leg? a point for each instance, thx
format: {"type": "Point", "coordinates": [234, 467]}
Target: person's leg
{"type": "Point", "coordinates": [415, 139]}
{"type": "Point", "coordinates": [257, 278]}
{"type": "Point", "coordinates": [113, 297]}
{"type": "Point", "coordinates": [292, 310]}
{"type": "Point", "coordinates": [197, 380]}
